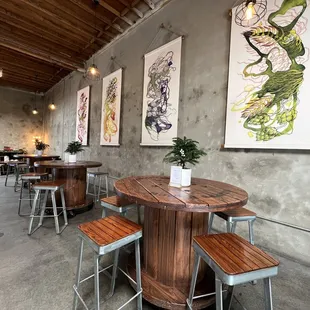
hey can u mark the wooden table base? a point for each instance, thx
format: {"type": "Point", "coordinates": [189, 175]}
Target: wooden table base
{"type": "Point", "coordinates": [168, 258]}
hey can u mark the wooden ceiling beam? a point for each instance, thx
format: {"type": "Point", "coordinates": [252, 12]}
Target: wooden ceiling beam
{"type": "Point", "coordinates": [37, 6]}
{"type": "Point", "coordinates": [132, 7]}
{"type": "Point", "coordinates": [18, 85]}
{"type": "Point", "coordinates": [99, 16]}
{"type": "Point", "coordinates": [25, 79]}
{"type": "Point", "coordinates": [41, 33]}
{"type": "Point", "coordinates": [116, 13]}
{"type": "Point", "coordinates": [5, 42]}
{"type": "Point", "coordinates": [69, 12]}
{"type": "Point", "coordinates": [37, 85]}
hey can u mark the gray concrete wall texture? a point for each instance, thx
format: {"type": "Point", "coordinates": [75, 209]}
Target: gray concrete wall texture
{"type": "Point", "coordinates": [277, 182]}
{"type": "Point", "coordinates": [18, 125]}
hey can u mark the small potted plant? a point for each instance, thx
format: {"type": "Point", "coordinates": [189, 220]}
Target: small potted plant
{"type": "Point", "coordinates": [40, 147]}
{"type": "Point", "coordinates": [185, 151]}
{"type": "Point", "coordinates": [73, 148]}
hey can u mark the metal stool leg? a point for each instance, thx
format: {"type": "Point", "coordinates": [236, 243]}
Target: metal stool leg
{"type": "Point", "coordinates": [114, 274]}
{"type": "Point", "coordinates": [55, 212]}
{"type": "Point", "coordinates": [96, 278]}
{"type": "Point", "coordinates": [43, 208]}
{"type": "Point", "coordinates": [16, 178]}
{"type": "Point", "coordinates": [95, 184]}
{"type": "Point", "coordinates": [193, 282]}
{"type": "Point", "coordinates": [78, 275]}
{"type": "Point", "coordinates": [87, 185]}
{"type": "Point", "coordinates": [34, 204]}
{"type": "Point", "coordinates": [7, 175]}
{"type": "Point", "coordinates": [219, 293]}
{"type": "Point", "coordinates": [20, 198]}
{"type": "Point", "coordinates": [106, 186]}
{"type": "Point", "coordinates": [251, 234]}
{"type": "Point", "coordinates": [228, 298]}
{"type": "Point", "coordinates": [63, 202]}
{"type": "Point", "coordinates": [211, 217]}
{"type": "Point", "coordinates": [233, 227]}
{"type": "Point", "coordinates": [99, 189]}
{"type": "Point", "coordinates": [138, 274]}
{"type": "Point", "coordinates": [104, 212]}
{"type": "Point", "coordinates": [139, 214]}
{"type": "Point", "coordinates": [268, 294]}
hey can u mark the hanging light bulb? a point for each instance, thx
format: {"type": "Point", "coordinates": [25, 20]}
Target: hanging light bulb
{"type": "Point", "coordinates": [250, 10]}
{"type": "Point", "coordinates": [93, 73]}
{"type": "Point", "coordinates": [52, 106]}
{"type": "Point", "coordinates": [35, 111]}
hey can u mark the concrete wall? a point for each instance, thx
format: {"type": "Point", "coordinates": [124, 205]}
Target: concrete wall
{"type": "Point", "coordinates": [277, 182]}
{"type": "Point", "coordinates": [18, 125]}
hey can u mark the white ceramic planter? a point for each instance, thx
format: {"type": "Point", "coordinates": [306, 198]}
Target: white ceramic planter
{"type": "Point", "coordinates": [39, 152]}
{"type": "Point", "coordinates": [72, 158]}
{"type": "Point", "coordinates": [180, 177]}
{"type": "Point", "coordinates": [186, 177]}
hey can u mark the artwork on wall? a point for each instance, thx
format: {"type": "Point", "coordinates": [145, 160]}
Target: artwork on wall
{"type": "Point", "coordinates": [82, 115]}
{"type": "Point", "coordinates": [161, 94]}
{"type": "Point", "coordinates": [268, 91]}
{"type": "Point", "coordinates": [111, 108]}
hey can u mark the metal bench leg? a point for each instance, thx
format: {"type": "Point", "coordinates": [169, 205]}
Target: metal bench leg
{"type": "Point", "coordinates": [138, 274]}
{"type": "Point", "coordinates": [96, 281]}
{"type": "Point", "coordinates": [55, 212]}
{"type": "Point", "coordinates": [251, 234]}
{"type": "Point", "coordinates": [114, 274]}
{"type": "Point", "coordinates": [78, 275]}
{"type": "Point", "coordinates": [211, 217]}
{"type": "Point", "coordinates": [33, 210]}
{"type": "Point", "coordinates": [193, 281]}
{"type": "Point", "coordinates": [268, 294]}
{"type": "Point", "coordinates": [219, 293]}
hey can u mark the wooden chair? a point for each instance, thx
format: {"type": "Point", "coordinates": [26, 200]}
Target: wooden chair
{"type": "Point", "coordinates": [232, 217]}
{"type": "Point", "coordinates": [48, 187]}
{"type": "Point", "coordinates": [234, 261]}
{"type": "Point", "coordinates": [104, 236]}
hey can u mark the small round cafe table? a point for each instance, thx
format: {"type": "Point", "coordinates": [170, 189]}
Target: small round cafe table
{"type": "Point", "coordinates": [74, 176]}
{"type": "Point", "coordinates": [172, 217]}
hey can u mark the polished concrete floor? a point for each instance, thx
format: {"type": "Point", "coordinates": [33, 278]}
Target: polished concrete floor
{"type": "Point", "coordinates": [37, 272]}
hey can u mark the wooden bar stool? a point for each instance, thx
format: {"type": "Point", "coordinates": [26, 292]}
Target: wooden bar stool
{"type": "Point", "coordinates": [232, 217]}
{"type": "Point", "coordinates": [29, 178]}
{"type": "Point", "coordinates": [119, 205]}
{"type": "Point", "coordinates": [52, 187]}
{"type": "Point", "coordinates": [97, 191]}
{"type": "Point", "coordinates": [104, 236]}
{"type": "Point", "coordinates": [234, 261]}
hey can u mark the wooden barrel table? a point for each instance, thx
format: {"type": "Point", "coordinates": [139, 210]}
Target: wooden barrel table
{"type": "Point", "coordinates": [172, 217]}
{"type": "Point", "coordinates": [74, 175]}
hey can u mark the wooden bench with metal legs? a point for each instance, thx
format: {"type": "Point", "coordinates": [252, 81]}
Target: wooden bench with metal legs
{"type": "Point", "coordinates": [119, 205]}
{"type": "Point", "coordinates": [105, 236]}
{"type": "Point", "coordinates": [29, 178]}
{"type": "Point", "coordinates": [232, 217]}
{"type": "Point", "coordinates": [52, 187]}
{"type": "Point", "coordinates": [234, 261]}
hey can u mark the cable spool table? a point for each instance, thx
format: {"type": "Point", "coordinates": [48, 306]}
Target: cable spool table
{"type": "Point", "coordinates": [172, 217]}
{"type": "Point", "coordinates": [74, 177]}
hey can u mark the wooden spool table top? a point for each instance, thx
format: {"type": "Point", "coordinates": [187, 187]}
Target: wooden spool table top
{"type": "Point", "coordinates": [202, 196]}
{"type": "Point", "coordinates": [34, 156]}
{"type": "Point", "coordinates": [60, 164]}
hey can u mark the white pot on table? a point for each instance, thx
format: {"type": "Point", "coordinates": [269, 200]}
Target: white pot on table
{"type": "Point", "coordinates": [72, 158]}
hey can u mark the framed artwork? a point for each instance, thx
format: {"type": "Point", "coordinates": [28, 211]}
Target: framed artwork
{"type": "Point", "coordinates": [82, 115]}
{"type": "Point", "coordinates": [111, 108]}
{"type": "Point", "coordinates": [269, 74]}
{"type": "Point", "coordinates": [161, 94]}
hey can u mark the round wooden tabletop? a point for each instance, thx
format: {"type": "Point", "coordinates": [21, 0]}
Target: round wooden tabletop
{"type": "Point", "coordinates": [60, 164]}
{"type": "Point", "coordinates": [202, 196]}
{"type": "Point", "coordinates": [36, 156]}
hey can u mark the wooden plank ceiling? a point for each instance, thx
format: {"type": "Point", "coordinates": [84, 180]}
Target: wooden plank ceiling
{"type": "Point", "coordinates": [41, 41]}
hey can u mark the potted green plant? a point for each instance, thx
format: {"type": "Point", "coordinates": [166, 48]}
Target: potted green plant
{"type": "Point", "coordinates": [40, 147]}
{"type": "Point", "coordinates": [73, 148]}
{"type": "Point", "coordinates": [185, 151]}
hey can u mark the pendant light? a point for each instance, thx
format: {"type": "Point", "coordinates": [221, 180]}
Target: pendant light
{"type": "Point", "coordinates": [35, 110]}
{"type": "Point", "coordinates": [250, 12]}
{"type": "Point", "coordinates": [52, 105]}
{"type": "Point", "coordinates": [92, 72]}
